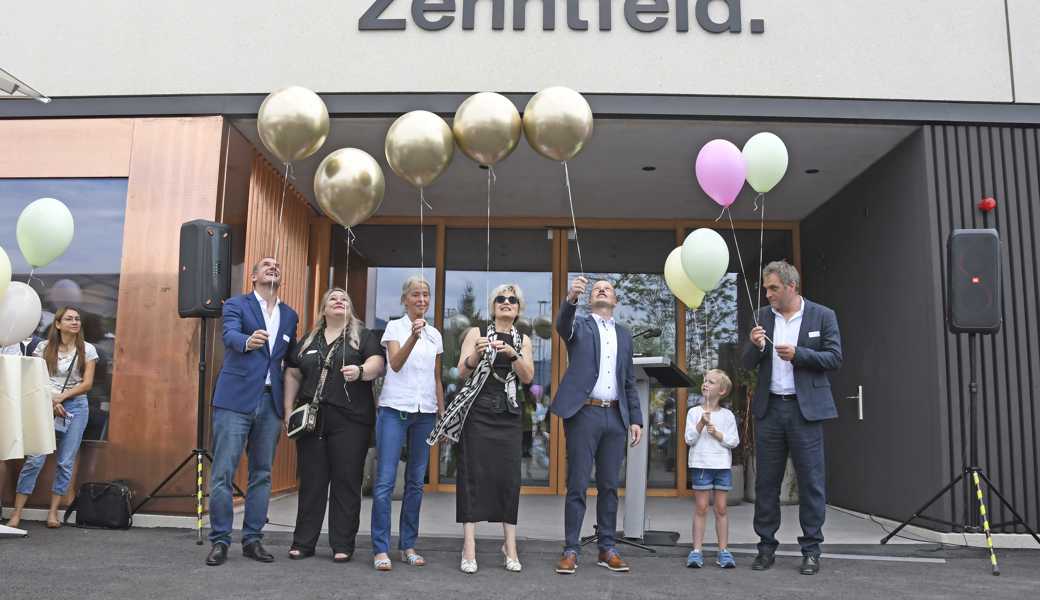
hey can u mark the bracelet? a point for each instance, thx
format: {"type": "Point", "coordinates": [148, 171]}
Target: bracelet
{"type": "Point", "coordinates": [360, 372]}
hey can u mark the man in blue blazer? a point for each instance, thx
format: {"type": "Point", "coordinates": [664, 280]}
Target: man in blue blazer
{"type": "Point", "coordinates": [793, 347]}
{"type": "Point", "coordinates": [599, 405]}
{"type": "Point", "coordinates": [259, 333]}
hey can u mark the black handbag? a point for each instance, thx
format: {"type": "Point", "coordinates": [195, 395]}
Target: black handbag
{"type": "Point", "coordinates": [103, 505]}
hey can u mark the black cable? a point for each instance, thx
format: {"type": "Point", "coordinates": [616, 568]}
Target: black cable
{"type": "Point", "coordinates": [940, 545]}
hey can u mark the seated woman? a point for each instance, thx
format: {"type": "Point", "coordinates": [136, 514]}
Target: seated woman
{"type": "Point", "coordinates": [491, 441]}
{"type": "Point", "coordinates": [334, 453]}
{"type": "Point", "coordinates": [70, 363]}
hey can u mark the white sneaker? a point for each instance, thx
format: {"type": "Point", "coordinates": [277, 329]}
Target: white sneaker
{"type": "Point", "coordinates": [468, 566]}
{"type": "Point", "coordinates": [512, 564]}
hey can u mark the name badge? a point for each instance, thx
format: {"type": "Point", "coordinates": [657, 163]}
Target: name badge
{"type": "Point", "coordinates": [285, 336]}
{"type": "Point", "coordinates": [312, 352]}
{"type": "Point", "coordinates": [814, 334]}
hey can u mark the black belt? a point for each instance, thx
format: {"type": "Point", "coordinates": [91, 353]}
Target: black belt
{"type": "Point", "coordinates": [267, 388]}
{"type": "Point", "coordinates": [783, 396]}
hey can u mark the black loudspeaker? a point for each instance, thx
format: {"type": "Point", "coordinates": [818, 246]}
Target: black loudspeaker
{"type": "Point", "coordinates": [973, 281]}
{"type": "Point", "coordinates": [204, 275]}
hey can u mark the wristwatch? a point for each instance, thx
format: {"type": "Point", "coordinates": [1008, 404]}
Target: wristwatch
{"type": "Point", "coordinates": [360, 372]}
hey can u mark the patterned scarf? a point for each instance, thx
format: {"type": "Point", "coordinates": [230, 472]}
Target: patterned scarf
{"type": "Point", "coordinates": [450, 425]}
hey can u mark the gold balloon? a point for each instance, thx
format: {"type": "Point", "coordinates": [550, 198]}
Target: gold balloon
{"type": "Point", "coordinates": [419, 146]}
{"type": "Point", "coordinates": [293, 123]}
{"type": "Point", "coordinates": [558, 122]}
{"type": "Point", "coordinates": [349, 186]}
{"type": "Point", "coordinates": [487, 127]}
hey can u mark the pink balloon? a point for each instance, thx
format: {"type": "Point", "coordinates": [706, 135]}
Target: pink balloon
{"type": "Point", "coordinates": [536, 391]}
{"type": "Point", "coordinates": [721, 171]}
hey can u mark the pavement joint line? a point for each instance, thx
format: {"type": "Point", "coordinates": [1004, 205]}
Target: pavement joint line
{"type": "Point", "coordinates": [869, 557]}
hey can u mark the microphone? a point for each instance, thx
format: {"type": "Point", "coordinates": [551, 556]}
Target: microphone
{"type": "Point", "coordinates": [649, 333]}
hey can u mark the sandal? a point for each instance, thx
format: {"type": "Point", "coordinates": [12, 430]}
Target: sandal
{"type": "Point", "coordinates": [382, 564]}
{"type": "Point", "coordinates": [300, 553]}
{"type": "Point", "coordinates": [53, 524]}
{"type": "Point", "coordinates": [342, 557]}
{"type": "Point", "coordinates": [413, 558]}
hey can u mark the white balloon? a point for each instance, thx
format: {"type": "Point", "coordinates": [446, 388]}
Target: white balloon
{"type": "Point", "coordinates": [19, 313]}
{"type": "Point", "coordinates": [5, 272]}
{"type": "Point", "coordinates": [65, 292]}
{"type": "Point", "coordinates": [705, 258]}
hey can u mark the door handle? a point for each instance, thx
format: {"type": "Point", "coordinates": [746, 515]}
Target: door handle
{"type": "Point", "coordinates": [859, 402]}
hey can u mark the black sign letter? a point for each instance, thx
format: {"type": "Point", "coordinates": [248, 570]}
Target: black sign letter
{"type": "Point", "coordinates": [731, 24]}
{"type": "Point", "coordinates": [498, 14]}
{"type": "Point", "coordinates": [421, 7]}
{"type": "Point", "coordinates": [633, 9]}
{"type": "Point", "coordinates": [370, 21]}
{"type": "Point", "coordinates": [520, 15]}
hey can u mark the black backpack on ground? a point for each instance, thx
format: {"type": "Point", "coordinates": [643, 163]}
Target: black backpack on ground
{"type": "Point", "coordinates": [103, 505]}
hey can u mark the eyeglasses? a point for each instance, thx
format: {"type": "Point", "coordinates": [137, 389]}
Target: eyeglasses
{"type": "Point", "coordinates": [505, 299]}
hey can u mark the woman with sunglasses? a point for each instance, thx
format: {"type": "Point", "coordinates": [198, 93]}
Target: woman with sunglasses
{"type": "Point", "coordinates": [333, 455]}
{"type": "Point", "coordinates": [491, 441]}
{"type": "Point", "coordinates": [70, 362]}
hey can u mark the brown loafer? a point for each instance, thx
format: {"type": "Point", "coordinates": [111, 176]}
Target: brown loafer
{"type": "Point", "coordinates": [568, 563]}
{"type": "Point", "coordinates": [612, 560]}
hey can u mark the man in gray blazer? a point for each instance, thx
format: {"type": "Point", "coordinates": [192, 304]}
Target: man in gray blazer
{"type": "Point", "coordinates": [599, 405]}
{"type": "Point", "coordinates": [793, 347]}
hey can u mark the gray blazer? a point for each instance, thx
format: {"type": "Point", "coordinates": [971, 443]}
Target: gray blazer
{"type": "Point", "coordinates": [582, 338]}
{"type": "Point", "coordinates": [814, 356]}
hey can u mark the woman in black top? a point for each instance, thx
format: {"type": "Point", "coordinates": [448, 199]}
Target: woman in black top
{"type": "Point", "coordinates": [490, 444]}
{"type": "Point", "coordinates": [335, 452]}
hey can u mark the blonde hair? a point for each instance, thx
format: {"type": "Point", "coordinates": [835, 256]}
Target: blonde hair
{"type": "Point", "coordinates": [724, 380]}
{"type": "Point", "coordinates": [352, 329]}
{"type": "Point", "coordinates": [506, 287]}
{"type": "Point", "coordinates": [413, 281]}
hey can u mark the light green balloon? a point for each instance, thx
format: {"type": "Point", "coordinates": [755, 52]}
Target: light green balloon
{"type": "Point", "coordinates": [45, 229]}
{"type": "Point", "coordinates": [5, 272]}
{"type": "Point", "coordinates": [679, 283]}
{"type": "Point", "coordinates": [705, 258]}
{"type": "Point", "coordinates": [766, 158]}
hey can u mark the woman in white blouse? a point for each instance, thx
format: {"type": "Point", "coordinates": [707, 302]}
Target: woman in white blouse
{"type": "Point", "coordinates": [70, 363]}
{"type": "Point", "coordinates": [409, 403]}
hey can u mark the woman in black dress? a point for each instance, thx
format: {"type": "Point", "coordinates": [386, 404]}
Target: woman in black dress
{"type": "Point", "coordinates": [334, 453]}
{"type": "Point", "coordinates": [490, 444]}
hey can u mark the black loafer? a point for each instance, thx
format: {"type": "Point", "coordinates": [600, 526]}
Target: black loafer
{"type": "Point", "coordinates": [810, 564]}
{"type": "Point", "coordinates": [217, 555]}
{"type": "Point", "coordinates": [256, 552]}
{"type": "Point", "coordinates": [763, 561]}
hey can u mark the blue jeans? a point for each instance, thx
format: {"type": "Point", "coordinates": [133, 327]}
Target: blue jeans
{"type": "Point", "coordinates": [68, 448]}
{"type": "Point", "coordinates": [258, 434]}
{"type": "Point", "coordinates": [393, 428]}
{"type": "Point", "coordinates": [596, 437]}
{"type": "Point", "coordinates": [712, 479]}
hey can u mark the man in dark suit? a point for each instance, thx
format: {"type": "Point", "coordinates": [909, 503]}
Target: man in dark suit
{"type": "Point", "coordinates": [599, 405]}
{"type": "Point", "coordinates": [259, 332]}
{"type": "Point", "coordinates": [793, 347]}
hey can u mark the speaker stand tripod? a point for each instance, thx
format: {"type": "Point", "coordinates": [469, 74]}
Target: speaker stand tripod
{"type": "Point", "coordinates": [971, 475]}
{"type": "Point", "coordinates": [618, 539]}
{"type": "Point", "coordinates": [198, 453]}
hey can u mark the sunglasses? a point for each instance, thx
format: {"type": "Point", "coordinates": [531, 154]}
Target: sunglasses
{"type": "Point", "coordinates": [505, 299]}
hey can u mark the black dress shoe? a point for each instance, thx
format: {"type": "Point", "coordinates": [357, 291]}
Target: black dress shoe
{"type": "Point", "coordinates": [763, 561]}
{"type": "Point", "coordinates": [810, 564]}
{"type": "Point", "coordinates": [217, 555]}
{"type": "Point", "coordinates": [256, 552]}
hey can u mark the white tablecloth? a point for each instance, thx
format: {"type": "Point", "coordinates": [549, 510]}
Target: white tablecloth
{"type": "Point", "coordinates": [26, 415]}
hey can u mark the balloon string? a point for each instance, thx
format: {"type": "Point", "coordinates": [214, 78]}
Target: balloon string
{"type": "Point", "coordinates": [574, 222]}
{"type": "Point", "coordinates": [740, 260]}
{"type": "Point", "coordinates": [422, 239]}
{"type": "Point", "coordinates": [707, 350]}
{"type": "Point", "coordinates": [492, 179]}
{"type": "Point", "coordinates": [281, 208]}
{"type": "Point", "coordinates": [761, 247]}
{"type": "Point", "coordinates": [349, 234]}
{"type": "Point", "coordinates": [719, 218]}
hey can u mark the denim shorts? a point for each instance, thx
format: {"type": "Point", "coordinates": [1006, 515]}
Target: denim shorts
{"type": "Point", "coordinates": [712, 479]}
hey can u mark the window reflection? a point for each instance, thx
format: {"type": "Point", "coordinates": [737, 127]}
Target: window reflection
{"type": "Point", "coordinates": [87, 275]}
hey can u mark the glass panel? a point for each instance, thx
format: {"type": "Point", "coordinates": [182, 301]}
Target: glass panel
{"type": "Point", "coordinates": [717, 331]}
{"type": "Point", "coordinates": [86, 276]}
{"type": "Point", "coordinates": [521, 257]}
{"type": "Point", "coordinates": [392, 255]}
{"type": "Point", "coordinates": [633, 262]}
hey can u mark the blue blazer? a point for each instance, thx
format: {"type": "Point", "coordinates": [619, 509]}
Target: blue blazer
{"type": "Point", "coordinates": [582, 338]}
{"type": "Point", "coordinates": [241, 380]}
{"type": "Point", "coordinates": [813, 357]}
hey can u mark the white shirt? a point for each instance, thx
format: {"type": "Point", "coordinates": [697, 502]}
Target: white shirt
{"type": "Point", "coordinates": [785, 332]}
{"type": "Point", "coordinates": [706, 451]}
{"type": "Point", "coordinates": [271, 323]}
{"type": "Point", "coordinates": [12, 350]}
{"type": "Point", "coordinates": [57, 379]}
{"type": "Point", "coordinates": [606, 383]}
{"type": "Point", "coordinates": [414, 387]}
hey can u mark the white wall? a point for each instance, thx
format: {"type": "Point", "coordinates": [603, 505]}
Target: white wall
{"type": "Point", "coordinates": [924, 49]}
{"type": "Point", "coordinates": [1025, 45]}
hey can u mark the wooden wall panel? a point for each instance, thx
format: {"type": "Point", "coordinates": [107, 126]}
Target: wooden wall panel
{"type": "Point", "coordinates": [66, 147]}
{"type": "Point", "coordinates": [288, 241]}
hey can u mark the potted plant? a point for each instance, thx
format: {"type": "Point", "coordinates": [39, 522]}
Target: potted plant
{"type": "Point", "coordinates": [744, 385]}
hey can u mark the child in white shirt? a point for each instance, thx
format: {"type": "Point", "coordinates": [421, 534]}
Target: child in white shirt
{"type": "Point", "coordinates": [711, 434]}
